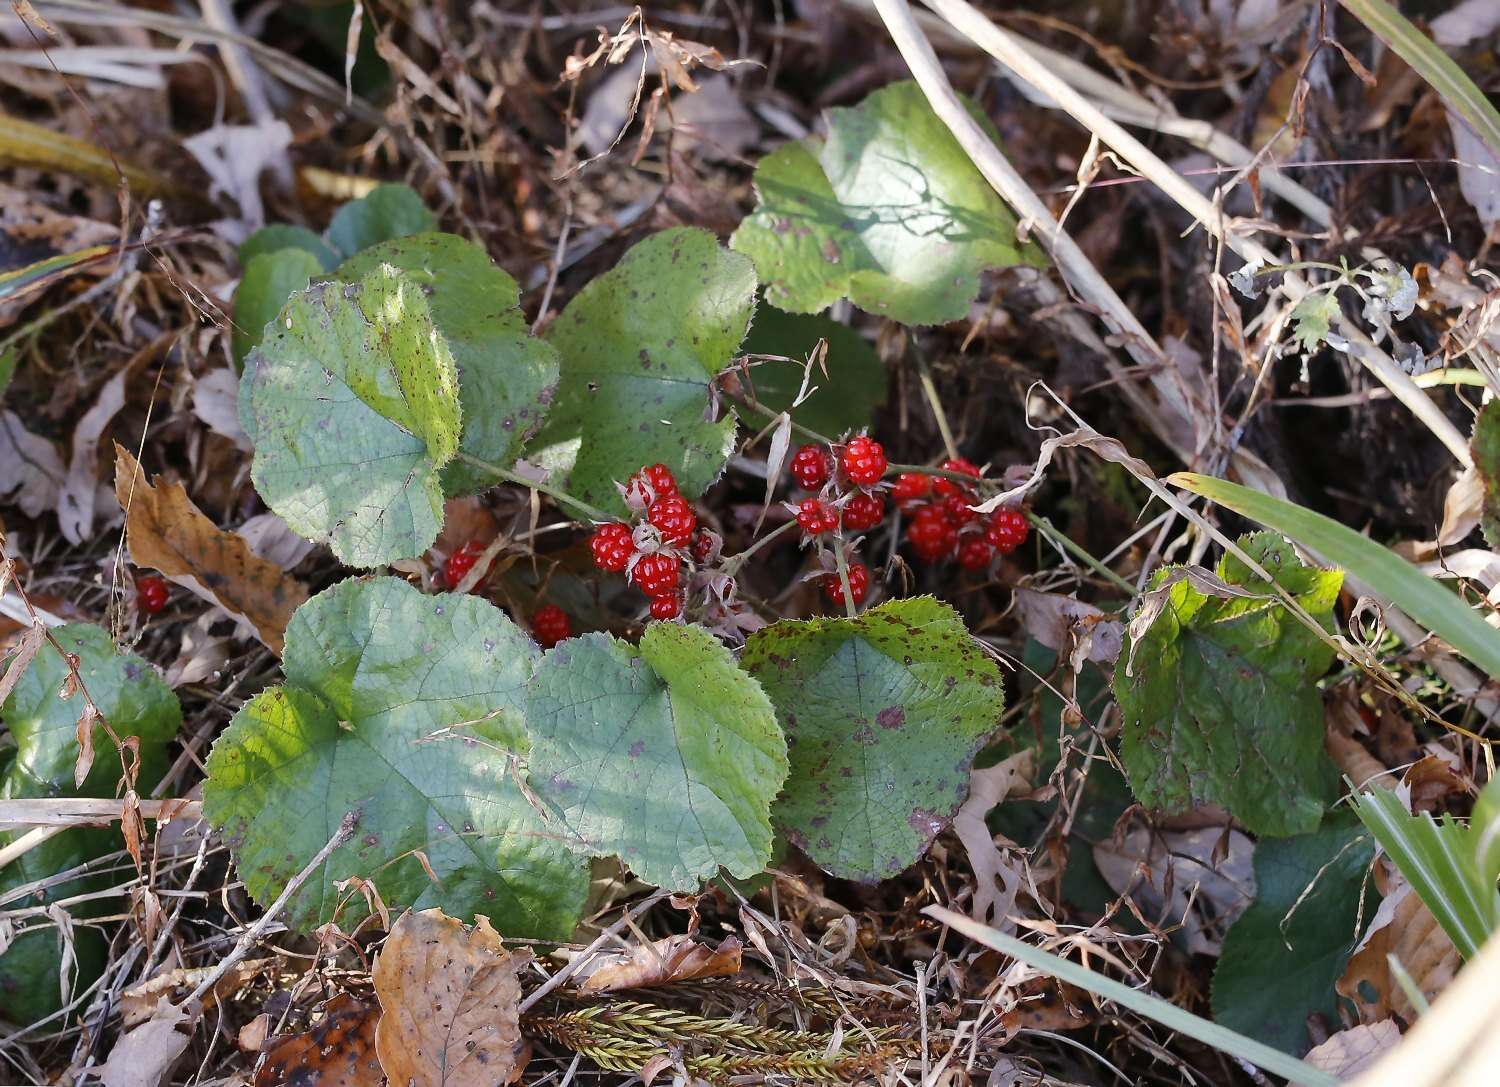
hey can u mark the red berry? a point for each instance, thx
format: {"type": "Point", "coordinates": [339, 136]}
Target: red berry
{"type": "Point", "coordinates": [864, 511]}
{"type": "Point", "coordinates": [458, 565]}
{"type": "Point", "coordinates": [657, 574]}
{"type": "Point", "coordinates": [956, 508]}
{"type": "Point", "coordinates": [151, 593]}
{"type": "Point", "coordinates": [1007, 530]}
{"type": "Point", "coordinates": [910, 490]}
{"type": "Point", "coordinates": [612, 546]}
{"type": "Point", "coordinates": [703, 547]}
{"type": "Point", "coordinates": [864, 460]}
{"type": "Point", "coordinates": [947, 486]}
{"type": "Point", "coordinates": [673, 518]}
{"type": "Point", "coordinates": [815, 517]}
{"type": "Point", "coordinates": [859, 581]}
{"type": "Point", "coordinates": [931, 535]}
{"type": "Point", "coordinates": [811, 466]}
{"type": "Point", "coordinates": [975, 552]}
{"type": "Point", "coordinates": [551, 625]}
{"type": "Point", "coordinates": [650, 483]}
{"type": "Point", "coordinates": [666, 607]}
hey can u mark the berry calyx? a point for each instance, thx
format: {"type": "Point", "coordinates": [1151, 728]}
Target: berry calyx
{"type": "Point", "coordinates": [458, 564]}
{"type": "Point", "coordinates": [859, 581]}
{"type": "Point", "coordinates": [612, 546]}
{"type": "Point", "coordinates": [666, 607]}
{"type": "Point", "coordinates": [962, 467]}
{"type": "Point", "coordinates": [551, 625]}
{"type": "Point", "coordinates": [911, 489]}
{"type": "Point", "coordinates": [151, 593]}
{"type": "Point", "coordinates": [702, 547]}
{"type": "Point", "coordinates": [864, 460]}
{"type": "Point", "coordinates": [657, 574]}
{"type": "Point", "coordinates": [815, 517]}
{"type": "Point", "coordinates": [975, 552]}
{"type": "Point", "coordinates": [673, 518]}
{"type": "Point", "coordinates": [1007, 530]}
{"type": "Point", "coordinates": [649, 484]}
{"type": "Point", "coordinates": [863, 512]}
{"type": "Point", "coordinates": [931, 535]}
{"type": "Point", "coordinates": [811, 466]}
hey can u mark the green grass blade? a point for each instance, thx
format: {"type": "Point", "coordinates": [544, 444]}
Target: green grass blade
{"type": "Point", "coordinates": [1437, 608]}
{"type": "Point", "coordinates": [1429, 61]}
{"type": "Point", "coordinates": [1152, 1007]}
{"type": "Point", "coordinates": [1437, 859]}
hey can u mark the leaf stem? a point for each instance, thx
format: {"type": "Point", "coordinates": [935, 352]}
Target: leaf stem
{"type": "Point", "coordinates": [557, 494]}
{"type": "Point", "coordinates": [929, 390]}
{"type": "Point", "coordinates": [796, 426]}
{"type": "Point", "coordinates": [733, 563]}
{"type": "Point", "coordinates": [843, 563]}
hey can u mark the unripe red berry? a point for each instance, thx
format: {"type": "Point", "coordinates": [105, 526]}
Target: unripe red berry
{"type": "Point", "coordinates": [811, 466]}
{"type": "Point", "coordinates": [955, 464]}
{"type": "Point", "coordinates": [864, 460]}
{"type": "Point", "coordinates": [673, 518]}
{"type": "Point", "coordinates": [551, 625]}
{"type": "Point", "coordinates": [815, 517]}
{"type": "Point", "coordinates": [151, 593]}
{"type": "Point", "coordinates": [975, 552]}
{"type": "Point", "coordinates": [458, 564]}
{"type": "Point", "coordinates": [910, 490]}
{"type": "Point", "coordinates": [657, 574]}
{"type": "Point", "coordinates": [612, 546]}
{"type": "Point", "coordinates": [666, 607]}
{"type": "Point", "coordinates": [859, 581]}
{"type": "Point", "coordinates": [863, 512]}
{"type": "Point", "coordinates": [1008, 529]}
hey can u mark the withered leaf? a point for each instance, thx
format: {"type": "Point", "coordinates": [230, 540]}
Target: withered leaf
{"type": "Point", "coordinates": [338, 1052]}
{"type": "Point", "coordinates": [167, 532]}
{"type": "Point", "coordinates": [663, 962]}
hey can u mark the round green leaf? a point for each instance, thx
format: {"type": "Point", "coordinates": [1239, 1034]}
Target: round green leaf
{"type": "Point", "coordinates": [128, 692]}
{"type": "Point", "coordinates": [268, 281]}
{"type": "Point", "coordinates": [667, 756]}
{"type": "Point", "coordinates": [640, 345]}
{"type": "Point", "coordinates": [889, 212]}
{"type": "Point", "coordinates": [385, 212]}
{"type": "Point", "coordinates": [843, 400]}
{"type": "Point", "coordinates": [883, 714]}
{"type": "Point", "coordinates": [506, 377]}
{"type": "Point", "coordinates": [353, 404]}
{"type": "Point", "coordinates": [278, 236]}
{"type": "Point", "coordinates": [406, 709]}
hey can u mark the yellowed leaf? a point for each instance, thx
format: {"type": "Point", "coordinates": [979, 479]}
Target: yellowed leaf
{"type": "Point", "coordinates": [450, 1004]}
{"type": "Point", "coordinates": [663, 962]}
{"type": "Point", "coordinates": [167, 532]}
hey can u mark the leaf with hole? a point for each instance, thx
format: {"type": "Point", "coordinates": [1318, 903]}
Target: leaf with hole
{"type": "Point", "coordinates": [352, 403]}
{"type": "Point", "coordinates": [406, 709]}
{"type": "Point", "coordinates": [640, 346]}
{"type": "Point", "coordinates": [1218, 693]}
{"type": "Point", "coordinates": [506, 377]}
{"type": "Point", "coordinates": [888, 212]}
{"type": "Point", "coordinates": [883, 715]}
{"type": "Point", "coordinates": [666, 755]}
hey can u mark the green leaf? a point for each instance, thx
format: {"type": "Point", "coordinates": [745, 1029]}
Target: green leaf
{"type": "Point", "coordinates": [406, 709]}
{"type": "Point", "coordinates": [1485, 446]}
{"type": "Point", "coordinates": [354, 410]}
{"type": "Point", "coordinates": [268, 281]}
{"type": "Point", "coordinates": [1385, 573]}
{"type": "Point", "coordinates": [667, 756]}
{"type": "Point", "coordinates": [1283, 955]}
{"type": "Point", "coordinates": [1440, 862]}
{"type": "Point", "coordinates": [1485, 825]}
{"type": "Point", "coordinates": [640, 345]}
{"type": "Point", "coordinates": [1311, 319]}
{"type": "Point", "coordinates": [279, 236]}
{"type": "Point", "coordinates": [1219, 694]}
{"type": "Point", "coordinates": [1173, 1018]}
{"type": "Point", "coordinates": [506, 378]}
{"type": "Point", "coordinates": [385, 212]}
{"type": "Point", "coordinates": [883, 715]}
{"type": "Point", "coordinates": [889, 213]}
{"type": "Point", "coordinates": [845, 399]}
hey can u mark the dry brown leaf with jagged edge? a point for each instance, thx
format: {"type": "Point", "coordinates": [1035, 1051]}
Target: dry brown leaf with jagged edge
{"type": "Point", "coordinates": [450, 1004]}
{"type": "Point", "coordinates": [1403, 927]}
{"type": "Point", "coordinates": [662, 962]}
{"type": "Point", "coordinates": [167, 532]}
{"type": "Point", "coordinates": [338, 1052]}
{"type": "Point", "coordinates": [138, 1003]}
{"type": "Point", "coordinates": [1352, 1051]}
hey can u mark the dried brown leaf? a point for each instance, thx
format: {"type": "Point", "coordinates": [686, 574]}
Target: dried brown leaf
{"type": "Point", "coordinates": [450, 1004]}
{"type": "Point", "coordinates": [1405, 928]}
{"type": "Point", "coordinates": [1350, 1052]}
{"type": "Point", "coordinates": [143, 1057]}
{"type": "Point", "coordinates": [338, 1052]}
{"type": "Point", "coordinates": [169, 533]}
{"type": "Point", "coordinates": [662, 962]}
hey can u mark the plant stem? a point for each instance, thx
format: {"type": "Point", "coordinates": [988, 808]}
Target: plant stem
{"type": "Point", "coordinates": [562, 497]}
{"type": "Point", "coordinates": [976, 482]}
{"type": "Point", "coordinates": [929, 389]}
{"type": "Point", "coordinates": [796, 426]}
{"type": "Point", "coordinates": [839, 557]}
{"type": "Point", "coordinates": [733, 563]}
{"type": "Point", "coordinates": [1051, 531]}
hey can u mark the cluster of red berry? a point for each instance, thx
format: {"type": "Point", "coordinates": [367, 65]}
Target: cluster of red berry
{"type": "Point", "coordinates": [943, 526]}
{"type": "Point", "coordinates": [852, 502]}
{"type": "Point", "coordinates": [650, 553]}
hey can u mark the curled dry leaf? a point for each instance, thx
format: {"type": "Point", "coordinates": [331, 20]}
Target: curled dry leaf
{"type": "Point", "coordinates": [144, 1056]}
{"type": "Point", "coordinates": [662, 962]}
{"type": "Point", "coordinates": [1350, 1052]}
{"type": "Point", "coordinates": [450, 1004]}
{"type": "Point", "coordinates": [1067, 625]}
{"type": "Point", "coordinates": [1405, 928]}
{"type": "Point", "coordinates": [169, 533]}
{"type": "Point", "coordinates": [996, 879]}
{"type": "Point", "coordinates": [138, 1003]}
{"type": "Point", "coordinates": [338, 1052]}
